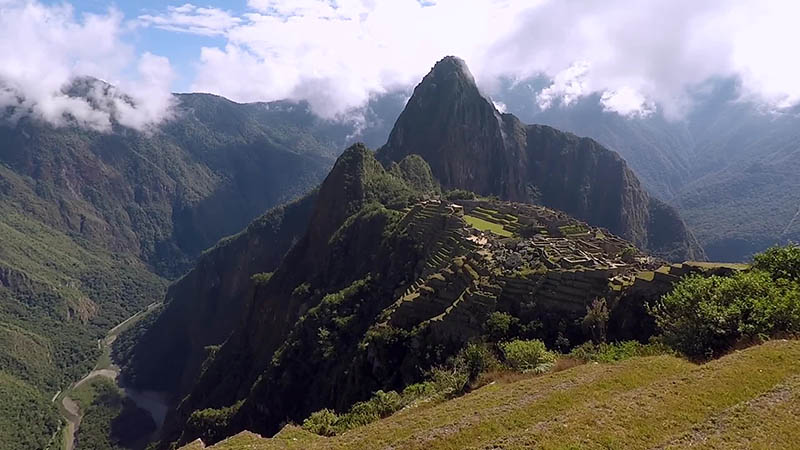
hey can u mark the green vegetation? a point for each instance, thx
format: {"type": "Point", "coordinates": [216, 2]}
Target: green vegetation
{"type": "Point", "coordinates": [211, 420]}
{"type": "Point", "coordinates": [618, 351]}
{"type": "Point", "coordinates": [92, 224]}
{"type": "Point", "coordinates": [27, 421]}
{"type": "Point", "coordinates": [110, 421]}
{"type": "Point", "coordinates": [261, 279]}
{"type": "Point", "coordinates": [58, 296]}
{"type": "Point", "coordinates": [780, 262]}
{"type": "Point", "coordinates": [485, 225]}
{"type": "Point", "coordinates": [706, 316]}
{"type": "Point", "coordinates": [573, 229]}
{"type": "Point", "coordinates": [459, 194]}
{"type": "Point", "coordinates": [595, 322]}
{"type": "Point", "coordinates": [527, 356]}
{"type": "Point", "coordinates": [744, 400]}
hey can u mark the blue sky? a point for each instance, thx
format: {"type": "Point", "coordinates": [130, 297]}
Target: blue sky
{"type": "Point", "coordinates": [639, 56]}
{"type": "Point", "coordinates": [182, 50]}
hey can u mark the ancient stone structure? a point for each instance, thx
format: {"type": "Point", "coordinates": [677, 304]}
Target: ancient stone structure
{"type": "Point", "coordinates": [525, 259]}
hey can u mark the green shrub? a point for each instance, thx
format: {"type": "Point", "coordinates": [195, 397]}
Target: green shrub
{"type": "Point", "coordinates": [618, 351]}
{"type": "Point", "coordinates": [527, 356]}
{"type": "Point", "coordinates": [781, 262]}
{"type": "Point", "coordinates": [301, 290]}
{"type": "Point", "coordinates": [322, 422]}
{"type": "Point", "coordinates": [497, 325]}
{"type": "Point", "coordinates": [261, 279]}
{"type": "Point", "coordinates": [212, 423]}
{"type": "Point", "coordinates": [382, 404]}
{"type": "Point", "coordinates": [595, 322]}
{"type": "Point", "coordinates": [448, 381]}
{"type": "Point", "coordinates": [459, 194]}
{"type": "Point", "coordinates": [703, 317]}
{"type": "Point", "coordinates": [476, 359]}
{"type": "Point", "coordinates": [417, 391]}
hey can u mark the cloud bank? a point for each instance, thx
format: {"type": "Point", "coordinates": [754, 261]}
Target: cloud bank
{"type": "Point", "coordinates": [47, 53]}
{"type": "Point", "coordinates": [640, 56]}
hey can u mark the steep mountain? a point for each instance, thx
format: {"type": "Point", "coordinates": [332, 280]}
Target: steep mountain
{"type": "Point", "coordinates": [385, 282]}
{"type": "Point", "coordinates": [470, 145]}
{"type": "Point", "coordinates": [205, 305]}
{"type": "Point", "coordinates": [93, 223]}
{"type": "Point", "coordinates": [728, 165]}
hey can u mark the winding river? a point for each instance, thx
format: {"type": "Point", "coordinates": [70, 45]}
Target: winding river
{"type": "Point", "coordinates": [150, 401]}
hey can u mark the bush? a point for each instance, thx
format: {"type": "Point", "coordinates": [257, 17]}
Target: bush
{"type": "Point", "coordinates": [212, 424]}
{"type": "Point", "coordinates": [301, 290]}
{"type": "Point", "coordinates": [382, 404]}
{"type": "Point", "coordinates": [618, 351]}
{"type": "Point", "coordinates": [527, 356]}
{"type": "Point", "coordinates": [703, 317]}
{"type": "Point", "coordinates": [260, 279]}
{"type": "Point", "coordinates": [459, 194]}
{"type": "Point", "coordinates": [497, 325]}
{"type": "Point", "coordinates": [781, 262]}
{"type": "Point", "coordinates": [476, 359]}
{"type": "Point", "coordinates": [417, 391]}
{"type": "Point", "coordinates": [596, 320]}
{"type": "Point", "coordinates": [322, 422]}
{"type": "Point", "coordinates": [448, 381]}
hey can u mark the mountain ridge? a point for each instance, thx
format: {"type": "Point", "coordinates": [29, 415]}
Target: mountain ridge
{"type": "Point", "coordinates": [470, 145]}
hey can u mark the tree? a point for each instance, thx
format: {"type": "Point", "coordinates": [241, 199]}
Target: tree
{"type": "Point", "coordinates": [595, 322]}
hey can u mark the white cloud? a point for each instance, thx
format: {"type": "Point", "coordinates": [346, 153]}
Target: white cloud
{"type": "Point", "coordinates": [658, 50]}
{"type": "Point", "coordinates": [500, 106]}
{"type": "Point", "coordinates": [45, 50]}
{"type": "Point", "coordinates": [336, 54]}
{"type": "Point", "coordinates": [627, 102]}
{"type": "Point", "coordinates": [568, 86]}
{"type": "Point", "coordinates": [193, 19]}
{"type": "Point", "coordinates": [639, 56]}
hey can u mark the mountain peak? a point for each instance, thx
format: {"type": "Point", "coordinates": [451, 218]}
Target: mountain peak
{"type": "Point", "coordinates": [469, 145]}
{"type": "Point", "coordinates": [451, 67]}
{"type": "Point", "coordinates": [452, 126]}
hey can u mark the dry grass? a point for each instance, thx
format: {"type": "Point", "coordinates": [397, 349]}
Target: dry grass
{"type": "Point", "coordinates": [748, 399]}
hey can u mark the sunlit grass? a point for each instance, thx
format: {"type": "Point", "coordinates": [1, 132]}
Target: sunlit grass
{"type": "Point", "coordinates": [484, 225]}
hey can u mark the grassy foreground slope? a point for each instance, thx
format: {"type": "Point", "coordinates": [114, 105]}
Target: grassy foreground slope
{"type": "Point", "coordinates": [748, 399]}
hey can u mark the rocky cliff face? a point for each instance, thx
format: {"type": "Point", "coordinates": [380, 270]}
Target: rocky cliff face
{"type": "Point", "coordinates": [344, 243]}
{"type": "Point", "coordinates": [389, 281]}
{"type": "Point", "coordinates": [470, 145]}
{"type": "Point", "coordinates": [206, 304]}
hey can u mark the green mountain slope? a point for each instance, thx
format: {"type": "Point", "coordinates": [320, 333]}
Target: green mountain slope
{"type": "Point", "coordinates": [380, 288]}
{"type": "Point", "coordinates": [93, 224]}
{"type": "Point", "coordinates": [748, 399]}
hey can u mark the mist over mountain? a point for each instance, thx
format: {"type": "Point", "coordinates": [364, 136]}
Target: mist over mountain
{"type": "Point", "coordinates": [95, 222]}
{"type": "Point", "coordinates": [470, 145]}
{"type": "Point", "coordinates": [726, 165]}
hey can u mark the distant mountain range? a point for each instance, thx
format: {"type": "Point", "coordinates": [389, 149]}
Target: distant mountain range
{"type": "Point", "coordinates": [729, 165]}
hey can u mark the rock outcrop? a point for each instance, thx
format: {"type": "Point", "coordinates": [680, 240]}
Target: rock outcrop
{"type": "Point", "coordinates": [470, 145]}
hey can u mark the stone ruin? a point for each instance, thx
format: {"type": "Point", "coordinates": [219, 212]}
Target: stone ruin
{"type": "Point", "coordinates": [545, 266]}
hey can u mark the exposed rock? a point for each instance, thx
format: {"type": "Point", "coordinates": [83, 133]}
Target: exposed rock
{"type": "Point", "coordinates": [470, 145]}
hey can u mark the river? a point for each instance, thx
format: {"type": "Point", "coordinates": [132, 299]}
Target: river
{"type": "Point", "coordinates": [153, 402]}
